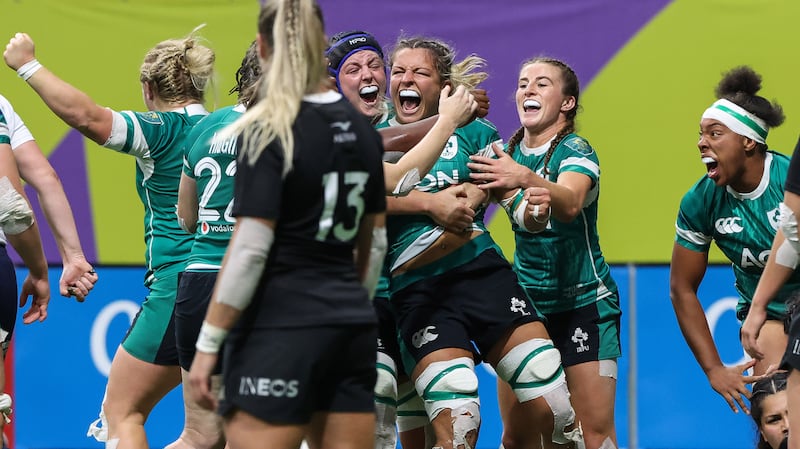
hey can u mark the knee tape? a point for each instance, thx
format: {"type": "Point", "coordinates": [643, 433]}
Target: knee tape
{"type": "Point", "coordinates": [386, 384]}
{"type": "Point", "coordinates": [410, 408]}
{"type": "Point", "coordinates": [563, 417]}
{"type": "Point", "coordinates": [385, 403]}
{"type": "Point", "coordinates": [532, 369]}
{"type": "Point", "coordinates": [450, 384]}
{"type": "Point", "coordinates": [16, 215]}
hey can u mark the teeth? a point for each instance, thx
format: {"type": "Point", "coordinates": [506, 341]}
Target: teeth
{"type": "Point", "coordinates": [408, 94]}
{"type": "Point", "coordinates": [708, 160]}
{"type": "Point", "coordinates": [531, 104]}
{"type": "Point", "coordinates": [368, 90]}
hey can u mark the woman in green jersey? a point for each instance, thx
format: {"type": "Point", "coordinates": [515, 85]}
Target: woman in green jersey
{"type": "Point", "coordinates": [452, 289]}
{"type": "Point", "coordinates": [736, 204]}
{"type": "Point", "coordinates": [549, 183]}
{"type": "Point", "coordinates": [174, 76]}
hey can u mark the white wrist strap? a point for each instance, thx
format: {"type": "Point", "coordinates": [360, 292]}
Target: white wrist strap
{"type": "Point", "coordinates": [210, 338]}
{"type": "Point", "coordinates": [28, 69]}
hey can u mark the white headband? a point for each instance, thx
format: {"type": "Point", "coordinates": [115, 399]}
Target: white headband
{"type": "Point", "coordinates": [738, 120]}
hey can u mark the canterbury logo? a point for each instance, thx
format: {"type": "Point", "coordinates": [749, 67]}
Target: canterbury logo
{"type": "Point", "coordinates": [729, 225]}
{"type": "Point", "coordinates": [423, 336]}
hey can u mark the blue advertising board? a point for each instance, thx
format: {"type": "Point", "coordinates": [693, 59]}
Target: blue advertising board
{"type": "Point", "coordinates": [663, 397]}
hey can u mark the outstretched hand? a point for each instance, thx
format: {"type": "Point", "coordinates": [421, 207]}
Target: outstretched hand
{"type": "Point", "coordinates": [20, 49]}
{"type": "Point", "coordinates": [501, 172]}
{"type": "Point", "coordinates": [731, 384]}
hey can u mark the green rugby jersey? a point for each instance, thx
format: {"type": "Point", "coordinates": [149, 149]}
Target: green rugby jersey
{"type": "Point", "coordinates": [409, 235]}
{"type": "Point", "coordinates": [212, 165]}
{"type": "Point", "coordinates": [562, 268]}
{"type": "Point", "coordinates": [156, 139]}
{"type": "Point", "coordinates": [743, 225]}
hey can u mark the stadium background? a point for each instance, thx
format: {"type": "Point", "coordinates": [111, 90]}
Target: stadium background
{"type": "Point", "coordinates": [648, 69]}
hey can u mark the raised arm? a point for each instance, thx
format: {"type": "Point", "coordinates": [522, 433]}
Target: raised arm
{"type": "Point", "coordinates": [454, 110]}
{"type": "Point", "coordinates": [71, 105]}
{"type": "Point", "coordinates": [687, 270]}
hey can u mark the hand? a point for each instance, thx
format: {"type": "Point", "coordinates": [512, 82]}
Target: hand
{"type": "Point", "coordinates": [200, 380]}
{"type": "Point", "coordinates": [482, 98]}
{"type": "Point", "coordinates": [40, 290]}
{"type": "Point", "coordinates": [502, 173]}
{"type": "Point", "coordinates": [730, 383]}
{"type": "Point", "coordinates": [472, 195]}
{"type": "Point", "coordinates": [538, 203]}
{"type": "Point", "coordinates": [77, 279]}
{"type": "Point", "coordinates": [458, 106]}
{"type": "Point", "coordinates": [20, 49]}
{"type": "Point", "coordinates": [449, 208]}
{"type": "Point", "coordinates": [751, 328]}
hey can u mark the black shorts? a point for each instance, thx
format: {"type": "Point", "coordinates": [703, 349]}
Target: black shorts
{"type": "Point", "coordinates": [387, 331]}
{"type": "Point", "coordinates": [283, 376]}
{"type": "Point", "coordinates": [8, 297]}
{"type": "Point", "coordinates": [587, 334]}
{"type": "Point", "coordinates": [791, 358]}
{"type": "Point", "coordinates": [476, 302]}
{"type": "Point", "coordinates": [191, 304]}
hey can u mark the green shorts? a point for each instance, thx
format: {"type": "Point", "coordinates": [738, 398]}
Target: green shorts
{"type": "Point", "coordinates": [151, 337]}
{"type": "Point", "coordinates": [588, 333]}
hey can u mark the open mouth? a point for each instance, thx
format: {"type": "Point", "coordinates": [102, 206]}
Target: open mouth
{"type": "Point", "coordinates": [711, 166]}
{"type": "Point", "coordinates": [369, 94]}
{"type": "Point", "coordinates": [531, 105]}
{"type": "Point", "coordinates": [409, 100]}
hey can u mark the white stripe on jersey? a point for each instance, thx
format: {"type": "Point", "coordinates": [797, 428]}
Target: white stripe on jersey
{"type": "Point", "coordinates": [419, 245]}
{"type": "Point", "coordinates": [581, 162]}
{"type": "Point", "coordinates": [119, 135]}
{"type": "Point", "coordinates": [698, 238]}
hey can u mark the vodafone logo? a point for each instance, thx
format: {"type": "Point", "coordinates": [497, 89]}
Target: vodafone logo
{"type": "Point", "coordinates": [729, 225]}
{"type": "Point", "coordinates": [204, 228]}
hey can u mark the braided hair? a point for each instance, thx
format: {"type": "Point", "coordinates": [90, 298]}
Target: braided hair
{"type": "Point", "coordinates": [179, 70]}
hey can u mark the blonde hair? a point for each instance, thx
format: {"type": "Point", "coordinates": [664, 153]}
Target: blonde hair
{"type": "Point", "coordinates": [466, 72]}
{"type": "Point", "coordinates": [178, 70]}
{"type": "Point", "coordinates": [294, 34]}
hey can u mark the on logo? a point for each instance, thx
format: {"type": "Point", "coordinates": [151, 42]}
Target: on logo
{"type": "Point", "coordinates": [729, 225]}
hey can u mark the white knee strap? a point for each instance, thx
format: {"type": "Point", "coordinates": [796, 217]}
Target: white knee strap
{"type": "Point", "coordinates": [385, 403]}
{"type": "Point", "coordinates": [410, 408]}
{"type": "Point", "coordinates": [386, 384]}
{"type": "Point", "coordinates": [449, 384]}
{"type": "Point", "coordinates": [532, 369]}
